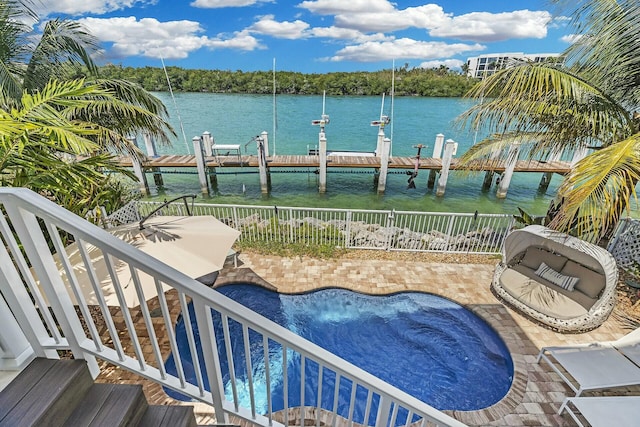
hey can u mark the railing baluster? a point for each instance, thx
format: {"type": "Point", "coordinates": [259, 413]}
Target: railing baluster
{"type": "Point", "coordinates": [230, 362]}
{"type": "Point", "coordinates": [249, 368]}
{"type": "Point", "coordinates": [302, 387]}
{"type": "Point", "coordinates": [186, 316]}
{"type": "Point", "coordinates": [267, 372]}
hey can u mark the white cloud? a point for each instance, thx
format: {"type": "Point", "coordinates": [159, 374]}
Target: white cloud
{"type": "Point", "coordinates": [347, 34]}
{"type": "Point", "coordinates": [427, 16]}
{"type": "Point", "coordinates": [334, 7]}
{"type": "Point", "coordinates": [571, 38]}
{"type": "Point", "coordinates": [217, 4]}
{"type": "Point", "coordinates": [78, 7]}
{"type": "Point", "coordinates": [282, 30]}
{"type": "Point", "coordinates": [452, 64]}
{"type": "Point", "coordinates": [486, 27]}
{"type": "Point", "coordinates": [401, 49]}
{"type": "Point", "coordinates": [383, 16]}
{"type": "Point", "coordinates": [152, 38]}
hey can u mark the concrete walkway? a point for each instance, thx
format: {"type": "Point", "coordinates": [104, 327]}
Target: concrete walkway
{"type": "Point", "coordinates": [536, 392]}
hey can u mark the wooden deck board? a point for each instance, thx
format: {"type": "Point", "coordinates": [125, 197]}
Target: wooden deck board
{"type": "Point", "coordinates": [350, 162]}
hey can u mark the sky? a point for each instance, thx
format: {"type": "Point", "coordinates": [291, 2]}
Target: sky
{"type": "Point", "coordinates": [312, 36]}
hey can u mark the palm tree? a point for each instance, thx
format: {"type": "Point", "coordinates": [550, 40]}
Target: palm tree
{"type": "Point", "coordinates": [41, 141]}
{"type": "Point", "coordinates": [50, 113]}
{"type": "Point", "coordinates": [64, 52]}
{"type": "Point", "coordinates": [547, 108]}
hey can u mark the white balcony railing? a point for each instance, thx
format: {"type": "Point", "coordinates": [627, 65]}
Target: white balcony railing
{"type": "Point", "coordinates": [50, 313]}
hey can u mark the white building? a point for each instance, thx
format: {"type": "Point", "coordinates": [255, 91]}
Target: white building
{"type": "Point", "coordinates": [485, 65]}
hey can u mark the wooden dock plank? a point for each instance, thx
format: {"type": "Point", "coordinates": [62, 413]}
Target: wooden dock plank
{"type": "Point", "coordinates": [350, 162]}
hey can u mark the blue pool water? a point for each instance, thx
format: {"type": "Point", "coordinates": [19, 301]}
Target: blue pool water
{"type": "Point", "coordinates": [428, 346]}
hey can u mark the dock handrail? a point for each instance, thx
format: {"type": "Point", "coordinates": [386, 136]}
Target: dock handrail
{"type": "Point", "coordinates": [40, 285]}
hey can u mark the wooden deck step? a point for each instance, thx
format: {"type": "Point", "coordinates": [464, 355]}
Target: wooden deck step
{"type": "Point", "coordinates": [61, 393]}
{"type": "Point", "coordinates": [44, 393]}
{"type": "Point", "coordinates": [110, 405]}
{"type": "Point", "coordinates": [169, 416]}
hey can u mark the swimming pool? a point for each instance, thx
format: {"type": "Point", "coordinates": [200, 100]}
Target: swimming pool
{"type": "Point", "coordinates": [428, 346]}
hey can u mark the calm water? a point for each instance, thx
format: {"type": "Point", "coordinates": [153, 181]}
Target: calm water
{"type": "Point", "coordinates": [235, 119]}
{"type": "Point", "coordinates": [428, 346]}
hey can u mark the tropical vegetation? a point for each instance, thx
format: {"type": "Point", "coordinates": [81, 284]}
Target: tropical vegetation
{"type": "Point", "coordinates": [60, 124]}
{"type": "Point", "coordinates": [441, 81]}
{"type": "Point", "coordinates": [591, 102]}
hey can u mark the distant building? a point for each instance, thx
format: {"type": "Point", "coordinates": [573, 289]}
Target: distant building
{"type": "Point", "coordinates": [485, 65]}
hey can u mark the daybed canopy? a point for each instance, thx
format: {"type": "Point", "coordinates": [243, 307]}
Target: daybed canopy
{"type": "Point", "coordinates": [577, 305]}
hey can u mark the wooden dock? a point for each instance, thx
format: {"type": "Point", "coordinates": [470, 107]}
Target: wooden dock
{"type": "Point", "coordinates": [345, 162]}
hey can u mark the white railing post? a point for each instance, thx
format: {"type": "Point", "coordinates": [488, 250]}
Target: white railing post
{"type": "Point", "coordinates": [15, 350]}
{"type": "Point", "coordinates": [384, 410]}
{"type": "Point", "coordinates": [211, 359]}
{"type": "Point", "coordinates": [28, 230]}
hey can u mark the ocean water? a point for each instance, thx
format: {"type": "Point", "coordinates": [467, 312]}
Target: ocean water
{"type": "Point", "coordinates": [235, 119]}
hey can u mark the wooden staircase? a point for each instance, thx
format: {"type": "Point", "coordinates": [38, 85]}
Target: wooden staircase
{"type": "Point", "coordinates": [62, 393]}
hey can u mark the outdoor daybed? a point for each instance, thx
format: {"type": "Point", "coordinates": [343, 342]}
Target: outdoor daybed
{"type": "Point", "coordinates": [556, 279]}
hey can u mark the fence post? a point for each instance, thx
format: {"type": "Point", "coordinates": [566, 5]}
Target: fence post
{"type": "Point", "coordinates": [347, 233]}
{"type": "Point", "coordinates": [391, 217]}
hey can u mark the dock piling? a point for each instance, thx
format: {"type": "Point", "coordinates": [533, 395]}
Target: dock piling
{"type": "Point", "coordinates": [207, 140]}
{"type": "Point", "coordinates": [437, 150]}
{"type": "Point", "coordinates": [200, 164]}
{"type": "Point", "coordinates": [322, 167]}
{"type": "Point", "coordinates": [150, 145]}
{"type": "Point", "coordinates": [505, 180]}
{"type": "Point", "coordinates": [384, 165]}
{"type": "Point", "coordinates": [138, 169]}
{"type": "Point", "coordinates": [262, 166]}
{"type": "Point", "coordinates": [449, 148]}
{"type": "Point", "coordinates": [265, 139]}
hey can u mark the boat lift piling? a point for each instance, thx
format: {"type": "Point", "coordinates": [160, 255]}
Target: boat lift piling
{"type": "Point", "coordinates": [138, 169]}
{"type": "Point", "coordinates": [265, 176]}
{"type": "Point", "coordinates": [505, 178]}
{"type": "Point", "coordinates": [200, 164]}
{"type": "Point", "coordinates": [322, 149]}
{"type": "Point", "coordinates": [207, 140]}
{"type": "Point", "coordinates": [437, 151]}
{"type": "Point", "coordinates": [450, 149]}
{"type": "Point", "coordinates": [413, 175]}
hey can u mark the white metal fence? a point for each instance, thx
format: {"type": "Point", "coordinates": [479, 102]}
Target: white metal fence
{"type": "Point", "coordinates": [357, 229]}
{"type": "Point", "coordinates": [40, 284]}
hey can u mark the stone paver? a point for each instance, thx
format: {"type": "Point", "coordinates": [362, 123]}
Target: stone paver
{"type": "Point", "coordinates": [536, 392]}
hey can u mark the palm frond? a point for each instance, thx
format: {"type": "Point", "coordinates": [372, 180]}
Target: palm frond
{"type": "Point", "coordinates": [606, 50]}
{"type": "Point", "coordinates": [599, 189]}
{"type": "Point", "coordinates": [542, 99]}
{"type": "Point", "coordinates": [63, 43]}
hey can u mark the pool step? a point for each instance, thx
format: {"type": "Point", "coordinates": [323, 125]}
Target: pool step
{"type": "Point", "coordinates": [62, 393]}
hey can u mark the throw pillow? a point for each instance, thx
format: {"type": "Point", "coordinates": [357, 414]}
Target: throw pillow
{"type": "Point", "coordinates": [565, 282]}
